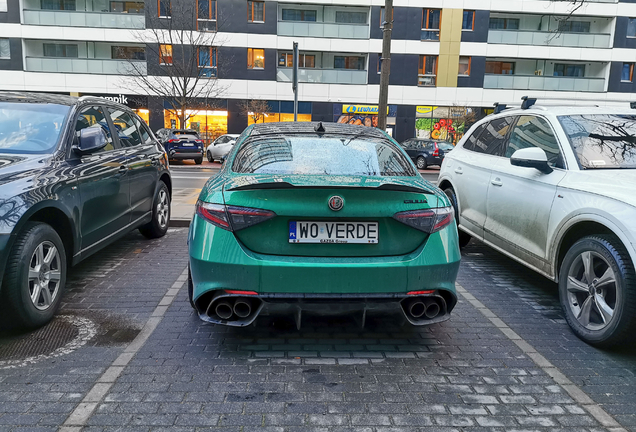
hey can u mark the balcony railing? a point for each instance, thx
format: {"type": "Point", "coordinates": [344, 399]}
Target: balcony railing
{"type": "Point", "coordinates": [534, 82]}
{"type": "Point", "coordinates": [323, 29]}
{"type": "Point", "coordinates": [85, 19]}
{"type": "Point", "coordinates": [86, 65]}
{"type": "Point", "coordinates": [324, 76]}
{"type": "Point", "coordinates": [546, 38]}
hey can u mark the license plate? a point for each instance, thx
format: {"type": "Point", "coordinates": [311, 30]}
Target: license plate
{"type": "Point", "coordinates": [333, 232]}
{"type": "Point", "coordinates": [187, 145]}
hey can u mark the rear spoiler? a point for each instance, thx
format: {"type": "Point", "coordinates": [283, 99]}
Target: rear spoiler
{"type": "Point", "coordinates": [287, 185]}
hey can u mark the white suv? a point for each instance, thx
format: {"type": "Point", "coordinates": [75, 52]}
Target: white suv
{"type": "Point", "coordinates": [555, 189]}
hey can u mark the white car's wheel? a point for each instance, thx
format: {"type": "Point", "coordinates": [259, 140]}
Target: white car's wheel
{"type": "Point", "coordinates": [209, 156]}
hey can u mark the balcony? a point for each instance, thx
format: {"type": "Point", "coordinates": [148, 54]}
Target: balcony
{"type": "Point", "coordinates": [533, 82]}
{"type": "Point", "coordinates": [85, 19]}
{"type": "Point", "coordinates": [85, 65]}
{"type": "Point", "coordinates": [322, 29]}
{"type": "Point", "coordinates": [548, 38]}
{"type": "Point", "coordinates": [323, 76]}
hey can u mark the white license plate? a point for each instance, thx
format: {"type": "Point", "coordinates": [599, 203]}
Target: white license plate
{"type": "Point", "coordinates": [333, 232]}
{"type": "Point", "coordinates": [187, 145]}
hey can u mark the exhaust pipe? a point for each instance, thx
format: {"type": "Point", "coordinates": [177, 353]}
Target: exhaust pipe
{"type": "Point", "coordinates": [431, 308]}
{"type": "Point", "coordinates": [417, 308]}
{"type": "Point", "coordinates": [223, 309]}
{"type": "Point", "coordinates": [242, 308]}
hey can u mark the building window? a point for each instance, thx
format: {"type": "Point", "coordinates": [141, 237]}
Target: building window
{"type": "Point", "coordinates": [468, 21]}
{"type": "Point", "coordinates": [165, 54]}
{"type": "Point", "coordinates": [504, 24]}
{"type": "Point", "coordinates": [164, 8]}
{"type": "Point", "coordinates": [348, 62]}
{"type": "Point", "coordinates": [383, 17]}
{"type": "Point", "coordinates": [53, 5]}
{"type": "Point", "coordinates": [627, 73]}
{"type": "Point", "coordinates": [430, 24]}
{"type": "Point", "coordinates": [574, 26]}
{"type": "Point", "coordinates": [631, 27]}
{"type": "Point", "coordinates": [464, 66]}
{"type": "Point", "coordinates": [60, 50]}
{"type": "Point", "coordinates": [128, 53]}
{"type": "Point", "coordinates": [343, 17]}
{"type": "Point", "coordinates": [569, 70]}
{"type": "Point", "coordinates": [255, 11]}
{"type": "Point", "coordinates": [127, 7]}
{"type": "Point", "coordinates": [427, 71]}
{"type": "Point", "coordinates": [206, 15]}
{"type": "Point", "coordinates": [298, 15]}
{"type": "Point", "coordinates": [255, 58]}
{"type": "Point", "coordinates": [207, 62]}
{"type": "Point", "coordinates": [500, 68]}
{"type": "Point", "coordinates": [3, 6]}
{"type": "Point", "coordinates": [304, 60]}
{"type": "Point", "coordinates": [5, 49]}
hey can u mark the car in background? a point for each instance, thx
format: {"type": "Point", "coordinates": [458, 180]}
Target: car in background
{"type": "Point", "coordinates": [323, 219]}
{"type": "Point", "coordinates": [182, 144]}
{"type": "Point", "coordinates": [425, 152]}
{"type": "Point", "coordinates": [220, 147]}
{"type": "Point", "coordinates": [553, 188]}
{"type": "Point", "coordinates": [75, 176]}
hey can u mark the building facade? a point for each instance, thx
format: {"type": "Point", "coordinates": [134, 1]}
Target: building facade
{"type": "Point", "coordinates": [451, 59]}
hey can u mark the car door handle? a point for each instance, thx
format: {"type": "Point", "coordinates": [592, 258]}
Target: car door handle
{"type": "Point", "coordinates": [459, 171]}
{"type": "Point", "coordinates": [496, 182]}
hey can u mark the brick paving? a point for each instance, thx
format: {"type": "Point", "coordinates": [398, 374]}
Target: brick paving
{"type": "Point", "coordinates": [460, 375]}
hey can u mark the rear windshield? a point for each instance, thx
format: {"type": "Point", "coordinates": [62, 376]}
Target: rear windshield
{"type": "Point", "coordinates": [445, 145]}
{"type": "Point", "coordinates": [29, 127]}
{"type": "Point", "coordinates": [602, 140]}
{"type": "Point", "coordinates": [326, 155]}
{"type": "Point", "coordinates": [180, 132]}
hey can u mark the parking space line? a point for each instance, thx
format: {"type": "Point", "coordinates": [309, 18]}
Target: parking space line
{"type": "Point", "coordinates": [572, 389]}
{"type": "Point", "coordinates": [80, 415]}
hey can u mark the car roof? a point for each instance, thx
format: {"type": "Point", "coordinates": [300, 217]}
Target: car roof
{"type": "Point", "coordinates": [283, 128]}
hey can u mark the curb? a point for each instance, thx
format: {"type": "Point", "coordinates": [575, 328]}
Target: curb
{"type": "Point", "coordinates": [179, 223]}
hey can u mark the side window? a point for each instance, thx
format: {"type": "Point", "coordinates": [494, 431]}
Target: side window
{"type": "Point", "coordinates": [492, 139]}
{"type": "Point", "coordinates": [469, 144]}
{"type": "Point", "coordinates": [531, 131]}
{"type": "Point", "coordinates": [126, 129]}
{"type": "Point", "coordinates": [93, 116]}
{"type": "Point", "coordinates": [143, 131]}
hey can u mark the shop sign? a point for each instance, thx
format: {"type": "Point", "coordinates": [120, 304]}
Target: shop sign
{"type": "Point", "coordinates": [131, 101]}
{"type": "Point", "coordinates": [361, 109]}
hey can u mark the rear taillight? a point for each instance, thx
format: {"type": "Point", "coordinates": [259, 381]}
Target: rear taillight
{"type": "Point", "coordinates": [173, 140]}
{"type": "Point", "coordinates": [232, 218]}
{"type": "Point", "coordinates": [198, 141]}
{"type": "Point", "coordinates": [436, 151]}
{"type": "Point", "coordinates": [427, 220]}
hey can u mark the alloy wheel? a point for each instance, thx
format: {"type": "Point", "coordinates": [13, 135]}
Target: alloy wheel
{"type": "Point", "coordinates": [592, 290]}
{"type": "Point", "coordinates": [163, 207]}
{"type": "Point", "coordinates": [44, 275]}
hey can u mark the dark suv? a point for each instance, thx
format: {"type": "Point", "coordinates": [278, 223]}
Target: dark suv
{"type": "Point", "coordinates": [75, 175]}
{"type": "Point", "coordinates": [181, 144]}
{"type": "Point", "coordinates": [425, 152]}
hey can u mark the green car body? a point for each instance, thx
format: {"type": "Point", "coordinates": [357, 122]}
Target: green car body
{"type": "Point", "coordinates": [260, 267]}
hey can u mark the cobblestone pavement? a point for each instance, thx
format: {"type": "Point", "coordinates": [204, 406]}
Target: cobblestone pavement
{"type": "Point", "coordinates": [461, 375]}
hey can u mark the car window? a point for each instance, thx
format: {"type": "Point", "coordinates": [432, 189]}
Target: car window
{"type": "Point", "coordinates": [144, 133]}
{"type": "Point", "coordinates": [491, 140]}
{"type": "Point", "coordinates": [93, 116]}
{"type": "Point", "coordinates": [469, 144]}
{"type": "Point", "coordinates": [533, 131]}
{"type": "Point", "coordinates": [445, 145]}
{"type": "Point", "coordinates": [31, 127]}
{"type": "Point", "coordinates": [126, 129]}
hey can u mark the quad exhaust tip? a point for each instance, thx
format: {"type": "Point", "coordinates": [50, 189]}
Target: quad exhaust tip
{"type": "Point", "coordinates": [424, 310]}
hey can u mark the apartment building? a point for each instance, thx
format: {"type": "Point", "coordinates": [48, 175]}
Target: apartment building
{"type": "Point", "coordinates": [451, 59]}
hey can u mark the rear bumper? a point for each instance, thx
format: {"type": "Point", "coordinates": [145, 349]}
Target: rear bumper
{"type": "Point", "coordinates": [219, 262]}
{"type": "Point", "coordinates": [184, 154]}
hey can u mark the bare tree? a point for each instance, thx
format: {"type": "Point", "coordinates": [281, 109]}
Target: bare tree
{"type": "Point", "coordinates": [254, 108]}
{"type": "Point", "coordinates": [181, 64]}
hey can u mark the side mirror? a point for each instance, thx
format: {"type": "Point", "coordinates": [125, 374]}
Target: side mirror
{"type": "Point", "coordinates": [532, 157]}
{"type": "Point", "coordinates": [90, 140]}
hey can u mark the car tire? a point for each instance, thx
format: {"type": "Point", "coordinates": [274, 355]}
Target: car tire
{"type": "Point", "coordinates": [421, 163]}
{"type": "Point", "coordinates": [190, 289]}
{"type": "Point", "coordinates": [160, 222]}
{"type": "Point", "coordinates": [198, 161]}
{"type": "Point", "coordinates": [464, 238]}
{"type": "Point", "coordinates": [210, 159]}
{"type": "Point", "coordinates": [587, 304]}
{"type": "Point", "coordinates": [37, 248]}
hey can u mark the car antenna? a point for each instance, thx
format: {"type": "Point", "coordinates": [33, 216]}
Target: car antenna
{"type": "Point", "coordinates": [319, 128]}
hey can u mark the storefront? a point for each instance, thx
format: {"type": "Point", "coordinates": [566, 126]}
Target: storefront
{"type": "Point", "coordinates": [209, 121]}
{"type": "Point", "coordinates": [139, 104]}
{"type": "Point", "coordinates": [276, 111]}
{"type": "Point", "coordinates": [444, 123]}
{"type": "Point", "coordinates": [366, 115]}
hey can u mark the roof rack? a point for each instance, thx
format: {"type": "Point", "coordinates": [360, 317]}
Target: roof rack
{"type": "Point", "coordinates": [527, 102]}
{"type": "Point", "coordinates": [499, 107]}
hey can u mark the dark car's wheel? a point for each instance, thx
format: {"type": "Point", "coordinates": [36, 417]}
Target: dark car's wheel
{"type": "Point", "coordinates": [209, 156]}
{"type": "Point", "coordinates": [190, 289]}
{"type": "Point", "coordinates": [464, 238]}
{"type": "Point", "coordinates": [158, 226]}
{"type": "Point", "coordinates": [198, 161]}
{"type": "Point", "coordinates": [35, 276]}
{"type": "Point", "coordinates": [597, 289]}
{"type": "Point", "coordinates": [421, 162]}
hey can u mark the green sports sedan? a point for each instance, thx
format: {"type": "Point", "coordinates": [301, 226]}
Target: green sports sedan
{"type": "Point", "coordinates": [323, 219]}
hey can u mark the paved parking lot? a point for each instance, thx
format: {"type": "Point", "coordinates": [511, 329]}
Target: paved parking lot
{"type": "Point", "coordinates": [506, 361]}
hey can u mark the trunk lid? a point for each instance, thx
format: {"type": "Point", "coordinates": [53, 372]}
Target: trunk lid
{"type": "Point", "coordinates": [298, 198]}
